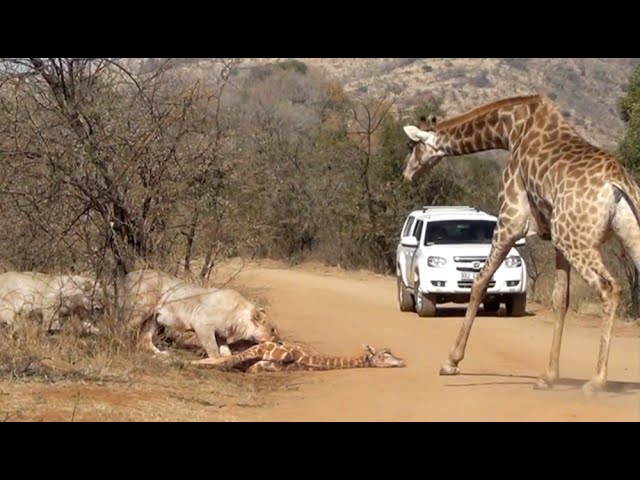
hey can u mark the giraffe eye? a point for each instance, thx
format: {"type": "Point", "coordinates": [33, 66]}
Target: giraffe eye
{"type": "Point", "coordinates": [410, 146]}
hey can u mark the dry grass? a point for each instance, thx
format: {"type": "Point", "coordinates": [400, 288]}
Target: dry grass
{"type": "Point", "coordinates": [71, 377]}
{"type": "Point", "coordinates": [166, 395]}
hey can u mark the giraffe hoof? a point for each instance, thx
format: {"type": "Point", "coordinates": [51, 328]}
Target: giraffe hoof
{"type": "Point", "coordinates": [592, 387]}
{"type": "Point", "coordinates": [447, 369]}
{"type": "Point", "coordinates": [542, 384]}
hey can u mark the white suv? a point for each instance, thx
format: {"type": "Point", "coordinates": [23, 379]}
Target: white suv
{"type": "Point", "coordinates": [442, 249]}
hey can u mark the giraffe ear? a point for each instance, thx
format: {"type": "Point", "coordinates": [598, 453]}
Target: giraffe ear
{"type": "Point", "coordinates": [369, 350]}
{"type": "Point", "coordinates": [415, 134]}
{"type": "Point", "coordinates": [427, 125]}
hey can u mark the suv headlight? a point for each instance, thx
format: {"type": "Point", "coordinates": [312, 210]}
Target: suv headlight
{"type": "Point", "coordinates": [436, 262]}
{"type": "Point", "coordinates": [512, 262]}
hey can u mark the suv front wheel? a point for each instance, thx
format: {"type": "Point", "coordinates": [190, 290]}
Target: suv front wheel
{"type": "Point", "coordinates": [405, 299]}
{"type": "Point", "coordinates": [425, 303]}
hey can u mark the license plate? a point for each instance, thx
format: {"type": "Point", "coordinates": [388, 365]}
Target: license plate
{"type": "Point", "coordinates": [468, 275]}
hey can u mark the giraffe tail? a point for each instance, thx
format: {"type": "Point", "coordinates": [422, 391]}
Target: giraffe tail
{"type": "Point", "coordinates": [626, 187]}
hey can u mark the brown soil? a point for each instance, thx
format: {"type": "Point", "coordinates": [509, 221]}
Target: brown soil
{"type": "Point", "coordinates": [335, 312]}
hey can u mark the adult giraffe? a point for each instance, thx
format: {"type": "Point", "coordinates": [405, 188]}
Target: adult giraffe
{"type": "Point", "coordinates": [557, 185]}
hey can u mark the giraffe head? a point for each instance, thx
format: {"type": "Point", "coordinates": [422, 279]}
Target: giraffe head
{"type": "Point", "coordinates": [382, 359]}
{"type": "Point", "coordinates": [424, 153]}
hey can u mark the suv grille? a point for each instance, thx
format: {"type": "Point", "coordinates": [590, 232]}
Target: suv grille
{"type": "Point", "coordinates": [469, 259]}
{"type": "Point", "coordinates": [469, 264]}
{"type": "Point", "coordinates": [469, 283]}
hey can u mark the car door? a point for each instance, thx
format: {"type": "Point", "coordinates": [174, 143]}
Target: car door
{"type": "Point", "coordinates": [412, 252]}
{"type": "Point", "coordinates": [405, 250]}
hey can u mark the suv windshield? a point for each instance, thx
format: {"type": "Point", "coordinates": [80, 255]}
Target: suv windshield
{"type": "Point", "coordinates": [459, 231]}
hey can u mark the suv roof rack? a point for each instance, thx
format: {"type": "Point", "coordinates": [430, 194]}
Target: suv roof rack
{"type": "Point", "coordinates": [450, 207]}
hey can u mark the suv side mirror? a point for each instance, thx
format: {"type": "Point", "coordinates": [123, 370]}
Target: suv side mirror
{"type": "Point", "coordinates": [411, 242]}
{"type": "Point", "coordinates": [521, 243]}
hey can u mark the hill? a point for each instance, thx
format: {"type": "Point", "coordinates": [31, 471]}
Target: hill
{"type": "Point", "coordinates": [586, 89]}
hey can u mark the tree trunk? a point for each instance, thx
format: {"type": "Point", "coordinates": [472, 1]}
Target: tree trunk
{"type": "Point", "coordinates": [191, 235]}
{"type": "Point", "coordinates": [207, 266]}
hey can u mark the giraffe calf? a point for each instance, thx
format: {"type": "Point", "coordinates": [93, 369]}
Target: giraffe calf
{"type": "Point", "coordinates": [284, 356]}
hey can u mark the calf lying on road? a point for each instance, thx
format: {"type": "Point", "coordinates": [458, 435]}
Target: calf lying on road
{"type": "Point", "coordinates": [154, 299]}
{"type": "Point", "coordinates": [280, 356]}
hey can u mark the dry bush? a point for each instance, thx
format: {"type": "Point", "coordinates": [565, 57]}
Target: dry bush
{"type": "Point", "coordinates": [540, 258]}
{"type": "Point", "coordinates": [29, 354]}
{"type": "Point", "coordinates": [104, 168]}
{"type": "Point", "coordinates": [110, 355]}
{"type": "Point", "coordinates": [70, 377]}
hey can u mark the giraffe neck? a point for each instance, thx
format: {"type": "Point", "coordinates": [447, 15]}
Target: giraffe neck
{"type": "Point", "coordinates": [257, 352]}
{"type": "Point", "coordinates": [271, 351]}
{"type": "Point", "coordinates": [491, 127]}
{"type": "Point", "coordinates": [318, 362]}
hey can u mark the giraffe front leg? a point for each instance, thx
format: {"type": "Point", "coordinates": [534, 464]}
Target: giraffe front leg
{"type": "Point", "coordinates": [502, 243]}
{"type": "Point", "coordinates": [560, 301]}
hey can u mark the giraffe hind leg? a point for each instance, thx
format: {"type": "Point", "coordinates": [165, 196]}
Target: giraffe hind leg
{"type": "Point", "coordinates": [588, 262]}
{"type": "Point", "coordinates": [560, 303]}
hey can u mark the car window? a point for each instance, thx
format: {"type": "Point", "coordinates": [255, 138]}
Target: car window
{"type": "Point", "coordinates": [417, 232]}
{"type": "Point", "coordinates": [459, 232]}
{"type": "Point", "coordinates": [407, 228]}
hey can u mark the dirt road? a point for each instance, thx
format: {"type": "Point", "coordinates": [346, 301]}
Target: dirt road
{"type": "Point", "coordinates": [336, 313]}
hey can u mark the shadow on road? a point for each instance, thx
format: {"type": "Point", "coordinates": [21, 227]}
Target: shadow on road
{"type": "Point", "coordinates": [448, 311]}
{"type": "Point", "coordinates": [571, 383]}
